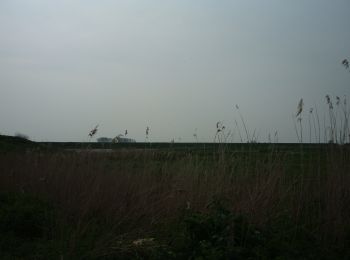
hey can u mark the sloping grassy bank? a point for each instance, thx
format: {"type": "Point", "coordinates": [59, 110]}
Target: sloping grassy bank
{"type": "Point", "coordinates": [11, 143]}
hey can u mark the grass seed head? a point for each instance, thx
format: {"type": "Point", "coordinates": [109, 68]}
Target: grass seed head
{"type": "Point", "coordinates": [93, 131]}
{"type": "Point", "coordinates": [329, 102]}
{"type": "Point", "coordinates": [300, 107]}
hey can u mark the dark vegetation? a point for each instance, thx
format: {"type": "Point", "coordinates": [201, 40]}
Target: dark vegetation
{"type": "Point", "coordinates": [179, 201]}
{"type": "Point", "coordinates": [8, 143]}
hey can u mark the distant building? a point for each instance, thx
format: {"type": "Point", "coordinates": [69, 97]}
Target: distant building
{"type": "Point", "coordinates": [119, 139]}
{"type": "Point", "coordinates": [104, 140]}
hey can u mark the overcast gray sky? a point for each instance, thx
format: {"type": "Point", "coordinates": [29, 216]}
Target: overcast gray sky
{"type": "Point", "coordinates": [174, 66]}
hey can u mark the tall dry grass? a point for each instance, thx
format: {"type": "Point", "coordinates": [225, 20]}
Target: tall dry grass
{"type": "Point", "coordinates": [129, 194]}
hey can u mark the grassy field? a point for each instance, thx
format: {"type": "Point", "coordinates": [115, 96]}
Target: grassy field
{"type": "Point", "coordinates": [174, 201]}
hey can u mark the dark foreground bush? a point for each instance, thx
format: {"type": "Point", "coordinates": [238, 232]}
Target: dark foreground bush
{"type": "Point", "coordinates": [26, 226]}
{"type": "Point", "coordinates": [221, 234]}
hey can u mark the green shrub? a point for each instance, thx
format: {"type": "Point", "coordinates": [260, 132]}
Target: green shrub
{"type": "Point", "coordinates": [218, 234]}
